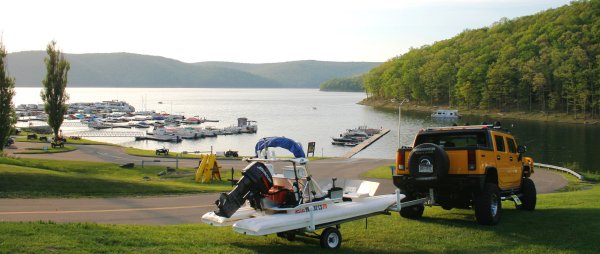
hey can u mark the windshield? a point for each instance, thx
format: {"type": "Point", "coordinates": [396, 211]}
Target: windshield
{"type": "Point", "coordinates": [454, 140]}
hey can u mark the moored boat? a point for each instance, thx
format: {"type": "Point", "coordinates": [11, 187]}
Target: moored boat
{"type": "Point", "coordinates": [445, 113]}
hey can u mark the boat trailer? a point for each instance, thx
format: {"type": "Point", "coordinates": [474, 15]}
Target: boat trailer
{"type": "Point", "coordinates": [291, 203]}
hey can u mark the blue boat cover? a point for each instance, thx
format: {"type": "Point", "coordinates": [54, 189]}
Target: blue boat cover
{"type": "Point", "coordinates": [282, 142]}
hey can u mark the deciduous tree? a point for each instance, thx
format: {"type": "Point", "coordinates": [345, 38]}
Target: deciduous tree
{"type": "Point", "coordinates": [7, 92]}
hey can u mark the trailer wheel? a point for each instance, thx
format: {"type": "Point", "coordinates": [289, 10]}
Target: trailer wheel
{"type": "Point", "coordinates": [331, 238]}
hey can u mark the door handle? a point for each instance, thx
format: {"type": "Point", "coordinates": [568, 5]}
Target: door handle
{"type": "Point", "coordinates": [498, 157]}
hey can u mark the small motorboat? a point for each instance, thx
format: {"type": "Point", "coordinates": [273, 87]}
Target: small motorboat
{"type": "Point", "coordinates": [290, 202]}
{"type": "Point", "coordinates": [193, 120]}
{"type": "Point", "coordinates": [445, 114]}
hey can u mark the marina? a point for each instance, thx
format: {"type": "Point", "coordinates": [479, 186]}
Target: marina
{"type": "Point", "coordinates": [92, 119]}
{"type": "Point", "coordinates": [335, 112]}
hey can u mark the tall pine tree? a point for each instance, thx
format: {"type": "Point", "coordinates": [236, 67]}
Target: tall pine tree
{"type": "Point", "coordinates": [54, 92]}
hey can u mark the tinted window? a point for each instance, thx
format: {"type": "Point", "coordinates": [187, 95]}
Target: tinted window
{"type": "Point", "coordinates": [512, 146]}
{"type": "Point", "coordinates": [499, 143]}
{"type": "Point", "coordinates": [454, 140]}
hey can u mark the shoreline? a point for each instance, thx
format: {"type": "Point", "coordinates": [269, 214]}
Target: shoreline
{"type": "Point", "coordinates": [529, 116]}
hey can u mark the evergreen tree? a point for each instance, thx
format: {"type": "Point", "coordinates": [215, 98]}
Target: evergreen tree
{"type": "Point", "coordinates": [7, 108]}
{"type": "Point", "coordinates": [54, 92]}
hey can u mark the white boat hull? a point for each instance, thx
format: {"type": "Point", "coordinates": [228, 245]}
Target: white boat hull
{"type": "Point", "coordinates": [249, 223]}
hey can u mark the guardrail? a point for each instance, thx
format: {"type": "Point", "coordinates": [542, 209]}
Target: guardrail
{"type": "Point", "coordinates": [566, 170]}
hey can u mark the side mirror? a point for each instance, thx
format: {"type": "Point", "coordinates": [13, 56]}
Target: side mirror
{"type": "Point", "coordinates": [522, 149]}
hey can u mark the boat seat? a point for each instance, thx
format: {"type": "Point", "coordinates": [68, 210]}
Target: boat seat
{"type": "Point", "coordinates": [358, 188]}
{"type": "Point", "coordinates": [279, 180]}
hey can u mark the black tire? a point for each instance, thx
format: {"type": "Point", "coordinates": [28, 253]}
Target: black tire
{"type": "Point", "coordinates": [414, 212]}
{"type": "Point", "coordinates": [331, 238]}
{"type": "Point", "coordinates": [428, 154]}
{"type": "Point", "coordinates": [529, 198]}
{"type": "Point", "coordinates": [488, 205]}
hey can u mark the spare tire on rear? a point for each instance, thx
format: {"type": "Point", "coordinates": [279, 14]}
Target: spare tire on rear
{"type": "Point", "coordinates": [428, 162]}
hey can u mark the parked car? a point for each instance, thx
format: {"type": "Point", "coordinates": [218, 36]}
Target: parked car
{"type": "Point", "coordinates": [469, 167]}
{"type": "Point", "coordinates": [163, 150]}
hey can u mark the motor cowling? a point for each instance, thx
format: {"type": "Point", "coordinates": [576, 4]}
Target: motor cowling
{"type": "Point", "coordinates": [254, 184]}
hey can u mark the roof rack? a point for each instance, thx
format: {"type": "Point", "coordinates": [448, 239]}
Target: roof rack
{"type": "Point", "coordinates": [468, 127]}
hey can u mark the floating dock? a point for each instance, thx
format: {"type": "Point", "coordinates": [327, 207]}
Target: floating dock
{"type": "Point", "coordinates": [92, 133]}
{"type": "Point", "coordinates": [365, 143]}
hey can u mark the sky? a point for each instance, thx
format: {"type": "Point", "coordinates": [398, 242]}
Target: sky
{"type": "Point", "coordinates": [250, 31]}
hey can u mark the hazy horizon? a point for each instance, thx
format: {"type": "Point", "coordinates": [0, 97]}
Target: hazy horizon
{"type": "Point", "coordinates": [264, 31]}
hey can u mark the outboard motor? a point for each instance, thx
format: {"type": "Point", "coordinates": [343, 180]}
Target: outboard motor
{"type": "Point", "coordinates": [254, 184]}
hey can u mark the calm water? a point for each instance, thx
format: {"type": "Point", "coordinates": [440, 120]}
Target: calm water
{"type": "Point", "coordinates": [309, 115]}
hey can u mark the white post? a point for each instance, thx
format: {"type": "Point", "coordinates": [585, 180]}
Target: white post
{"type": "Point", "coordinates": [398, 200]}
{"type": "Point", "coordinates": [399, 122]}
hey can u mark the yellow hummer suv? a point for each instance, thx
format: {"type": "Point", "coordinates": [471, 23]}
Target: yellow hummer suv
{"type": "Point", "coordinates": [465, 167]}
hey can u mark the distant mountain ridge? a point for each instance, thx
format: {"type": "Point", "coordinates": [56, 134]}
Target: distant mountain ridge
{"type": "Point", "coordinates": [134, 70]}
{"type": "Point", "coordinates": [307, 73]}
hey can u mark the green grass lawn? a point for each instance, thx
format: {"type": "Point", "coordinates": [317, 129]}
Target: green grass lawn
{"type": "Point", "coordinates": [35, 178]}
{"type": "Point", "coordinates": [48, 150]}
{"type": "Point", "coordinates": [152, 153]}
{"type": "Point", "coordinates": [565, 222]}
{"type": "Point", "coordinates": [381, 172]}
{"type": "Point", "coordinates": [69, 141]}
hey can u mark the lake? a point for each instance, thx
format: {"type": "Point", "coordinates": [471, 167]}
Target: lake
{"type": "Point", "coordinates": [307, 115]}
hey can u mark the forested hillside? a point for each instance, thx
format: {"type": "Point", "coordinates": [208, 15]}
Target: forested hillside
{"type": "Point", "coordinates": [545, 62]}
{"type": "Point", "coordinates": [307, 73]}
{"type": "Point", "coordinates": [131, 70]}
{"type": "Point", "coordinates": [134, 70]}
{"type": "Point", "coordinates": [354, 84]}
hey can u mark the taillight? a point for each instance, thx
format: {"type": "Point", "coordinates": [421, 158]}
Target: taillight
{"type": "Point", "coordinates": [471, 159]}
{"type": "Point", "coordinates": [400, 157]}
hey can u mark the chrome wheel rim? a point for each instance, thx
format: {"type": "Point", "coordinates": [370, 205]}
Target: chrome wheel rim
{"type": "Point", "coordinates": [333, 240]}
{"type": "Point", "coordinates": [494, 205]}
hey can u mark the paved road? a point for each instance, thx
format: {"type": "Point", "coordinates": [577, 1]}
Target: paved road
{"type": "Point", "coordinates": [182, 208]}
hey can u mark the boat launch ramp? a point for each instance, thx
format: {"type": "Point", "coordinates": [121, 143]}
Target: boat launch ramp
{"type": "Point", "coordinates": [365, 143]}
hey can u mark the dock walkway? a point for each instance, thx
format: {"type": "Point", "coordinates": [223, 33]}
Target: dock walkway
{"type": "Point", "coordinates": [365, 143]}
{"type": "Point", "coordinates": [100, 133]}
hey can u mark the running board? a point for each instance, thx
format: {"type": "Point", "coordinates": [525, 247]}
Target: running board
{"type": "Point", "coordinates": [515, 198]}
{"type": "Point", "coordinates": [510, 197]}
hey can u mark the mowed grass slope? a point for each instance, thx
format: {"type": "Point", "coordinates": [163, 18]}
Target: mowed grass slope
{"type": "Point", "coordinates": [34, 178]}
{"type": "Point", "coordinates": [563, 223]}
